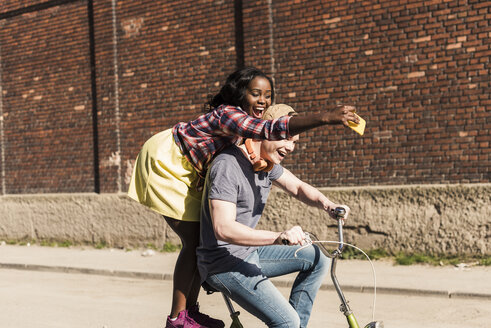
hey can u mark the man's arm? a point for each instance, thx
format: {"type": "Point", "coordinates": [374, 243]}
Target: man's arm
{"type": "Point", "coordinates": [227, 229]}
{"type": "Point", "coordinates": [306, 193]}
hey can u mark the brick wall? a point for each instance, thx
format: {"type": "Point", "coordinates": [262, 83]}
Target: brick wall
{"type": "Point", "coordinates": [84, 83]}
{"type": "Point", "coordinates": [419, 74]}
{"type": "Point", "coordinates": [46, 136]}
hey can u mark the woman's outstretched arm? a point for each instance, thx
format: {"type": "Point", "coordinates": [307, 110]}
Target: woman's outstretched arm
{"type": "Point", "coordinates": [339, 115]}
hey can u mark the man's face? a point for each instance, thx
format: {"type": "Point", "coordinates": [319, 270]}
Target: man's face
{"type": "Point", "coordinates": [258, 97]}
{"type": "Point", "coordinates": [275, 151]}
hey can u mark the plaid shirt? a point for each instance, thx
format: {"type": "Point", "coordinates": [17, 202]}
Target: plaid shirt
{"type": "Point", "coordinates": [201, 139]}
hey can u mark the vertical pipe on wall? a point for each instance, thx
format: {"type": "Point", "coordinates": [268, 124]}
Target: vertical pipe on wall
{"type": "Point", "coordinates": [117, 114]}
{"type": "Point", "coordinates": [95, 128]}
{"type": "Point", "coordinates": [271, 42]}
{"type": "Point", "coordinates": [239, 34]}
{"type": "Point", "coordinates": [2, 140]}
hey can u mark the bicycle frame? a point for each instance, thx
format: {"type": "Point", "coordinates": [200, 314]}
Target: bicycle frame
{"type": "Point", "coordinates": [234, 315]}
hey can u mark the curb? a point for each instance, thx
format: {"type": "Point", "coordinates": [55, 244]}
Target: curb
{"type": "Point", "coordinates": [277, 282]}
{"type": "Point", "coordinates": [100, 272]}
{"type": "Point", "coordinates": [397, 291]}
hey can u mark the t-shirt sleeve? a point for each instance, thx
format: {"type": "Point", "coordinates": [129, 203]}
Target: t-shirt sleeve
{"type": "Point", "coordinates": [222, 180]}
{"type": "Point", "coordinates": [276, 172]}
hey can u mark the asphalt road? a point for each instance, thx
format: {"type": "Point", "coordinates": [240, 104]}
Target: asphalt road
{"type": "Point", "coordinates": [51, 300]}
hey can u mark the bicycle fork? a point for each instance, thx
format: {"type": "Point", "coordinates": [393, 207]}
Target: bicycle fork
{"type": "Point", "coordinates": [344, 307]}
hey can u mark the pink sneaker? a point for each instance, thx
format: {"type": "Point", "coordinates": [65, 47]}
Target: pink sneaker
{"type": "Point", "coordinates": [183, 321]}
{"type": "Point", "coordinates": [204, 319]}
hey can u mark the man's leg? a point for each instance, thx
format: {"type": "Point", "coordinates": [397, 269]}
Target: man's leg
{"type": "Point", "coordinates": [255, 293]}
{"type": "Point", "coordinates": [312, 266]}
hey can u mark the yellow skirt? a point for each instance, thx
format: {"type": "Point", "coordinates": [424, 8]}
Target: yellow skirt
{"type": "Point", "coordinates": [164, 180]}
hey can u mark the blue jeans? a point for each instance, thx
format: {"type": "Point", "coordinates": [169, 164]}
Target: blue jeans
{"type": "Point", "coordinates": [248, 284]}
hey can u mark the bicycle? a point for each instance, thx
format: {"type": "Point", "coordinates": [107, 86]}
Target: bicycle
{"type": "Point", "coordinates": [311, 239]}
{"type": "Point", "coordinates": [344, 307]}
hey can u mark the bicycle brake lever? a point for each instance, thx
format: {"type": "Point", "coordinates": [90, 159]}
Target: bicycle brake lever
{"type": "Point", "coordinates": [314, 240]}
{"type": "Point", "coordinates": [308, 240]}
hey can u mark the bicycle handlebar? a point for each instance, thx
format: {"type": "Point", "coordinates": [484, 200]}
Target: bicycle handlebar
{"type": "Point", "coordinates": [339, 212]}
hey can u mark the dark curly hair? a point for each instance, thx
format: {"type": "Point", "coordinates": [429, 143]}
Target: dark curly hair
{"type": "Point", "coordinates": [233, 92]}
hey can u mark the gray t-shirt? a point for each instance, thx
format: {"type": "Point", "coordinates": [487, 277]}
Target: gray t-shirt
{"type": "Point", "coordinates": [231, 178]}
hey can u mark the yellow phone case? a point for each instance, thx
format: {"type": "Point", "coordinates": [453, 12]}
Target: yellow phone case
{"type": "Point", "coordinates": [359, 128]}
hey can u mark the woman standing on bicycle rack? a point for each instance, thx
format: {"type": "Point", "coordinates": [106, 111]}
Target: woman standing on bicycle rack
{"type": "Point", "coordinates": [170, 166]}
{"type": "Point", "coordinates": [232, 256]}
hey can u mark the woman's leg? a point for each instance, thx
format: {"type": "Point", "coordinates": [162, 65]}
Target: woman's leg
{"type": "Point", "coordinates": [186, 275]}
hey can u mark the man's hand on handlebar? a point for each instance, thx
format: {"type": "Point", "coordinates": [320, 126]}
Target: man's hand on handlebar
{"type": "Point", "coordinates": [292, 236]}
{"type": "Point", "coordinates": [336, 214]}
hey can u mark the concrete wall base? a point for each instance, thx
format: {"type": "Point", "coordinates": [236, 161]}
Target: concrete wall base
{"type": "Point", "coordinates": [432, 219]}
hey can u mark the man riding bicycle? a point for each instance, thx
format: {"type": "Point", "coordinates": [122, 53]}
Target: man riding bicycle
{"type": "Point", "coordinates": [237, 259]}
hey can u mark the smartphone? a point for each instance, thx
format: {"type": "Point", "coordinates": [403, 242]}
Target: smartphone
{"type": "Point", "coordinates": [360, 127]}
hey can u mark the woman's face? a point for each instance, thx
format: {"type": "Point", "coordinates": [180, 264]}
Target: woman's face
{"type": "Point", "coordinates": [258, 97]}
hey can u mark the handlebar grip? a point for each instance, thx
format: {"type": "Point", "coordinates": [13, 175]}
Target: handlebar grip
{"type": "Point", "coordinates": [340, 212]}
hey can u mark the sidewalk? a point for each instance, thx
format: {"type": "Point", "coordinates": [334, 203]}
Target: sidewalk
{"type": "Point", "coordinates": [353, 275]}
